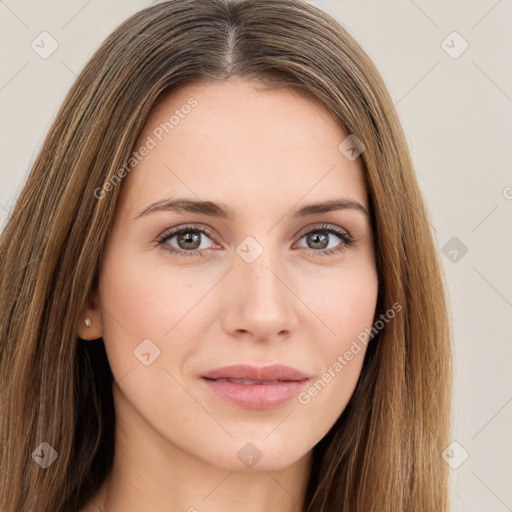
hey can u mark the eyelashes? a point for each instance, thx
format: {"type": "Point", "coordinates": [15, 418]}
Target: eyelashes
{"type": "Point", "coordinates": [346, 239]}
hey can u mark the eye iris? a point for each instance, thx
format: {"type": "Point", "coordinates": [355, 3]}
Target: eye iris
{"type": "Point", "coordinates": [315, 236]}
{"type": "Point", "coordinates": [189, 240]}
{"type": "Point", "coordinates": [189, 237]}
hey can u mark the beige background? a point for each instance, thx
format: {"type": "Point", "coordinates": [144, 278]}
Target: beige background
{"type": "Point", "coordinates": [457, 114]}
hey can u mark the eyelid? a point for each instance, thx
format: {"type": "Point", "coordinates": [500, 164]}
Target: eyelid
{"type": "Point", "coordinates": [172, 232]}
{"type": "Point", "coordinates": [323, 226]}
{"type": "Point", "coordinates": [347, 239]}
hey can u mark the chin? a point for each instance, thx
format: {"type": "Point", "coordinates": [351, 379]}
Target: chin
{"type": "Point", "coordinates": [254, 456]}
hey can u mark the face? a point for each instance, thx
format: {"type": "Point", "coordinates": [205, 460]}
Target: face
{"type": "Point", "coordinates": [185, 291]}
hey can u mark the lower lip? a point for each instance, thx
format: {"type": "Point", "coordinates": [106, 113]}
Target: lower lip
{"type": "Point", "coordinates": [256, 396]}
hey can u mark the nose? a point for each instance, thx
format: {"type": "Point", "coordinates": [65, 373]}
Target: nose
{"type": "Point", "coordinates": [260, 300]}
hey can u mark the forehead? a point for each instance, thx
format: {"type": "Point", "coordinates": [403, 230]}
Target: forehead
{"type": "Point", "coordinates": [238, 139]}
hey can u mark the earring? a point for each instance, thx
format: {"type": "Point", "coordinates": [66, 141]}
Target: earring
{"type": "Point", "coordinates": [88, 322]}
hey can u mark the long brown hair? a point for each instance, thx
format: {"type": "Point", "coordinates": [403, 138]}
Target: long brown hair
{"type": "Point", "coordinates": [384, 452]}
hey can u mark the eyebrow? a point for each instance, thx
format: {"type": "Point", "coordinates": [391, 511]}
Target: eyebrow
{"type": "Point", "coordinates": [221, 210]}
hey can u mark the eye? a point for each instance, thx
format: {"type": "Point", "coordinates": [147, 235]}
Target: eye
{"type": "Point", "coordinates": [189, 240]}
{"type": "Point", "coordinates": [188, 237]}
{"type": "Point", "coordinates": [319, 237]}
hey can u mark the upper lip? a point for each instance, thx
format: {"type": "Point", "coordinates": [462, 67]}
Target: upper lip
{"type": "Point", "coordinates": [261, 374]}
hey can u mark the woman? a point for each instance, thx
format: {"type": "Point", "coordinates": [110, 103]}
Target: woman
{"type": "Point", "coordinates": [296, 356]}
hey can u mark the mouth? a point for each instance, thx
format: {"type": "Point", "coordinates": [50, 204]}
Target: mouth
{"type": "Point", "coordinates": [257, 374]}
{"type": "Point", "coordinates": [251, 387]}
{"type": "Point", "coordinates": [248, 382]}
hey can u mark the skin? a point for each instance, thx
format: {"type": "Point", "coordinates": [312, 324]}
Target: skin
{"type": "Point", "coordinates": [264, 154]}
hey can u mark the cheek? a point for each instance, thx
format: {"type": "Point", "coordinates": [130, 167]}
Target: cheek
{"type": "Point", "coordinates": [141, 295]}
{"type": "Point", "coordinates": [144, 311]}
{"type": "Point", "coordinates": [130, 312]}
{"type": "Point", "coordinates": [347, 310]}
{"type": "Point", "coordinates": [345, 304]}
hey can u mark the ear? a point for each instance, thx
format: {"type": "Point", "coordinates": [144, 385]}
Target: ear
{"type": "Point", "coordinates": [92, 312]}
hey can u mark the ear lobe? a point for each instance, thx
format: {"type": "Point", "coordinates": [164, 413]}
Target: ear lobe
{"type": "Point", "coordinates": [90, 322]}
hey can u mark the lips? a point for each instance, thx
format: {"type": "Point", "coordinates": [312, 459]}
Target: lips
{"type": "Point", "coordinates": [249, 375]}
{"type": "Point", "coordinates": [252, 387]}
{"type": "Point", "coordinates": [248, 382]}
